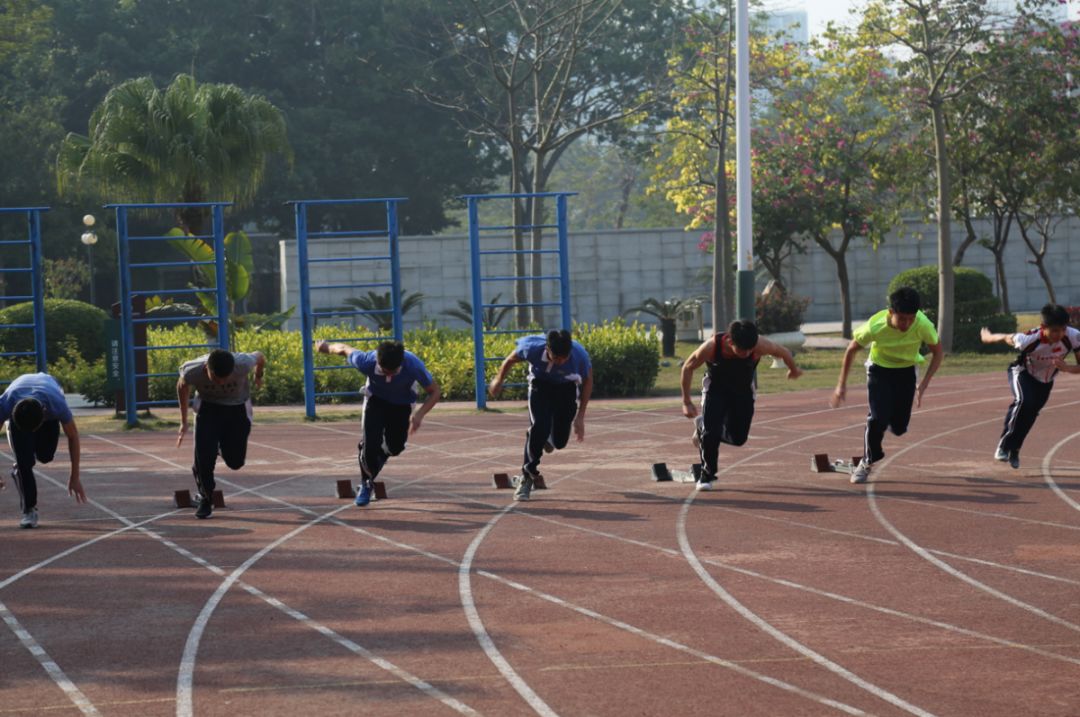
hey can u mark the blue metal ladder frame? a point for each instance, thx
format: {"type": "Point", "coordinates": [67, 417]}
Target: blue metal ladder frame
{"type": "Point", "coordinates": [309, 317]}
{"type": "Point", "coordinates": [478, 278]}
{"type": "Point", "coordinates": [37, 285]}
{"type": "Point", "coordinates": [128, 322]}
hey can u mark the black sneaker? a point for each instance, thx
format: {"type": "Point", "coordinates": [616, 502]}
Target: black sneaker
{"type": "Point", "coordinates": [206, 507]}
{"type": "Point", "coordinates": [1014, 459]}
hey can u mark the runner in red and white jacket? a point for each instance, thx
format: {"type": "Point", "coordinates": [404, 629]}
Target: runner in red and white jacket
{"type": "Point", "coordinates": [1031, 375]}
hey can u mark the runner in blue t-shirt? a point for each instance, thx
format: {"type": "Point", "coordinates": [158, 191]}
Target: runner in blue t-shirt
{"type": "Point", "coordinates": [560, 384]}
{"type": "Point", "coordinates": [33, 409]}
{"type": "Point", "coordinates": [388, 400]}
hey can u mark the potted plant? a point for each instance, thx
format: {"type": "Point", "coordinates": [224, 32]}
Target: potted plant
{"type": "Point", "coordinates": [780, 316]}
{"type": "Point", "coordinates": [666, 312]}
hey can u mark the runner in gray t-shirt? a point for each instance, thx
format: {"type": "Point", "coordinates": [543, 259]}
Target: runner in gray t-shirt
{"type": "Point", "coordinates": [222, 414]}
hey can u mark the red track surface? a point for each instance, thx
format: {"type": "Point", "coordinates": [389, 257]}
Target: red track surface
{"type": "Point", "coordinates": [948, 585]}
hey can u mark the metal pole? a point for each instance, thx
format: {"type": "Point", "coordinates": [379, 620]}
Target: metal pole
{"type": "Point", "coordinates": [219, 277]}
{"type": "Point", "coordinates": [306, 322]}
{"type": "Point", "coordinates": [564, 260]}
{"type": "Point", "coordinates": [37, 280]}
{"type": "Point", "coordinates": [126, 327]}
{"type": "Point", "coordinates": [395, 268]}
{"type": "Point", "coordinates": [744, 298]}
{"type": "Point", "coordinates": [90, 253]}
{"type": "Point", "coordinates": [477, 309]}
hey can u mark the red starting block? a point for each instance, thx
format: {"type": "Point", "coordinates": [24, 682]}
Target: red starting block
{"type": "Point", "coordinates": [502, 481]}
{"type": "Point", "coordinates": [182, 499]}
{"type": "Point", "coordinates": [346, 491]}
{"type": "Point", "coordinates": [820, 464]}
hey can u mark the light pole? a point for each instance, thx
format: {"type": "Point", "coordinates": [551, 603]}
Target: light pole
{"type": "Point", "coordinates": [89, 238]}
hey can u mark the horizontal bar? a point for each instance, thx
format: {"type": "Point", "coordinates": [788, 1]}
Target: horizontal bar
{"type": "Point", "coordinates": [173, 319]}
{"type": "Point", "coordinates": [494, 332]}
{"type": "Point", "coordinates": [519, 278]}
{"type": "Point", "coordinates": [341, 393]}
{"type": "Point", "coordinates": [516, 226]}
{"type": "Point", "coordinates": [17, 298]}
{"type": "Point", "coordinates": [357, 312]}
{"type": "Point", "coordinates": [348, 258]}
{"type": "Point", "coordinates": [16, 326]}
{"type": "Point", "coordinates": [203, 237]}
{"type": "Point", "coordinates": [519, 195]}
{"type": "Point", "coordinates": [145, 404]}
{"type": "Point", "coordinates": [347, 234]}
{"type": "Point", "coordinates": [176, 346]}
{"type": "Point", "coordinates": [167, 205]}
{"type": "Point", "coordinates": [171, 263]}
{"type": "Point", "coordinates": [347, 201]}
{"type": "Point", "coordinates": [200, 290]}
{"type": "Point", "coordinates": [13, 210]}
{"type": "Point", "coordinates": [16, 241]}
{"type": "Point", "coordinates": [155, 375]}
{"type": "Point", "coordinates": [360, 338]}
{"type": "Point", "coordinates": [19, 353]}
{"type": "Point", "coordinates": [512, 306]}
{"type": "Point", "coordinates": [520, 251]}
{"type": "Point", "coordinates": [12, 271]}
{"type": "Point", "coordinates": [351, 286]}
{"type": "Point", "coordinates": [331, 368]}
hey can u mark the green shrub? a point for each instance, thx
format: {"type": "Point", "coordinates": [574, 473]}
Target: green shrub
{"type": "Point", "coordinates": [975, 305]}
{"type": "Point", "coordinates": [779, 311]}
{"type": "Point", "coordinates": [624, 357]}
{"type": "Point", "coordinates": [66, 320]}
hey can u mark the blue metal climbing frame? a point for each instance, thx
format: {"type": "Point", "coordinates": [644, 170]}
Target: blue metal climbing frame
{"type": "Point", "coordinates": [33, 289]}
{"type": "Point", "coordinates": [479, 278]}
{"type": "Point", "coordinates": [309, 316]}
{"type": "Point", "coordinates": [129, 323]}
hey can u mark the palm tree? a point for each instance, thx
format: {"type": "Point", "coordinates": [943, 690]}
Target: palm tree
{"type": "Point", "coordinates": [190, 142]}
{"type": "Point", "coordinates": [491, 316]}
{"type": "Point", "coordinates": [376, 307]}
{"type": "Point", "coordinates": [666, 312]}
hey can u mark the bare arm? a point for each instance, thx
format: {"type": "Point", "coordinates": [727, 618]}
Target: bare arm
{"type": "Point", "coordinates": [434, 393]}
{"type": "Point", "coordinates": [583, 401]}
{"type": "Point", "coordinates": [935, 361]}
{"type": "Point", "coordinates": [841, 384]}
{"type": "Point", "coordinates": [75, 487]}
{"type": "Point", "coordinates": [690, 365]}
{"type": "Point", "coordinates": [260, 367]}
{"type": "Point", "coordinates": [497, 383]}
{"type": "Point", "coordinates": [339, 349]}
{"type": "Point", "coordinates": [770, 348]}
{"type": "Point", "coordinates": [988, 337]}
{"type": "Point", "coordinates": [183, 395]}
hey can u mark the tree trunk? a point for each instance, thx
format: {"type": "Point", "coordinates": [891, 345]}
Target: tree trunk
{"type": "Point", "coordinates": [970, 239]}
{"type": "Point", "coordinates": [845, 292]}
{"type": "Point", "coordinates": [537, 243]}
{"type": "Point", "coordinates": [521, 313]}
{"type": "Point", "coordinates": [1039, 259]}
{"type": "Point", "coordinates": [1002, 224]}
{"type": "Point", "coordinates": [944, 249]}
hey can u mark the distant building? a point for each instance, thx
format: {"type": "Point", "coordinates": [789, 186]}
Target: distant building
{"type": "Point", "coordinates": [791, 25]}
{"type": "Point", "coordinates": [1057, 12]}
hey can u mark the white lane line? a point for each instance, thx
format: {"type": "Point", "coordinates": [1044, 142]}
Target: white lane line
{"type": "Point", "coordinates": [186, 673]}
{"type": "Point", "coordinates": [941, 564]}
{"type": "Point", "coordinates": [1050, 478]}
{"type": "Point", "coordinates": [76, 695]}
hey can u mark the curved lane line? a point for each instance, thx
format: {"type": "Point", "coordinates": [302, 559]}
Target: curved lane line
{"type": "Point", "coordinates": [1050, 478]}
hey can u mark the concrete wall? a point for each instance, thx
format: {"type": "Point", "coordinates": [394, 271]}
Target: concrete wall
{"type": "Point", "coordinates": [614, 270]}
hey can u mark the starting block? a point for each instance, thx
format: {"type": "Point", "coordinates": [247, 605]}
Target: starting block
{"type": "Point", "coordinates": [502, 481]}
{"type": "Point", "coordinates": [346, 491]}
{"type": "Point", "coordinates": [662, 474]}
{"type": "Point", "coordinates": [182, 499]}
{"type": "Point", "coordinates": [820, 464]}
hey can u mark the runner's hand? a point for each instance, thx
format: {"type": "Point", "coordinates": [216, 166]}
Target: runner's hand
{"type": "Point", "coordinates": [180, 436]}
{"type": "Point", "coordinates": [579, 427]}
{"type": "Point", "coordinates": [689, 409]}
{"type": "Point", "coordinates": [838, 396]}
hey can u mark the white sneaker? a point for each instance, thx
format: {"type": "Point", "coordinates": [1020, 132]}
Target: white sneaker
{"type": "Point", "coordinates": [861, 473]}
{"type": "Point", "coordinates": [1001, 455]}
{"type": "Point", "coordinates": [704, 485]}
{"type": "Point", "coordinates": [29, 519]}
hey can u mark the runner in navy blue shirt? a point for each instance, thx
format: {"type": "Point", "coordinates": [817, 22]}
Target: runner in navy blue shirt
{"type": "Point", "coordinates": [33, 409]}
{"type": "Point", "coordinates": [388, 402]}
{"type": "Point", "coordinates": [560, 384]}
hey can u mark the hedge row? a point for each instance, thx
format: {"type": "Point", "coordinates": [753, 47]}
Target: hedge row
{"type": "Point", "coordinates": [625, 360]}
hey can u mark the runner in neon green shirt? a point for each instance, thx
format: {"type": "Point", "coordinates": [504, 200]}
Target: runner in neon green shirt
{"type": "Point", "coordinates": [895, 337]}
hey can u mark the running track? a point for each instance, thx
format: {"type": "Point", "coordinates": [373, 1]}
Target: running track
{"type": "Point", "coordinates": [949, 585]}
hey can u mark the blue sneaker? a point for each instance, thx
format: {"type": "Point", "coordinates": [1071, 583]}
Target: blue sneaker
{"type": "Point", "coordinates": [363, 496]}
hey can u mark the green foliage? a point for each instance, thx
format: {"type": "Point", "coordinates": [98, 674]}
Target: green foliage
{"type": "Point", "coordinates": [667, 309]}
{"type": "Point", "coordinates": [65, 278]}
{"type": "Point", "coordinates": [779, 311]}
{"type": "Point", "coordinates": [976, 305]}
{"type": "Point", "coordinates": [377, 307]}
{"type": "Point", "coordinates": [491, 316]}
{"type": "Point", "coordinates": [624, 360]}
{"type": "Point", "coordinates": [65, 320]}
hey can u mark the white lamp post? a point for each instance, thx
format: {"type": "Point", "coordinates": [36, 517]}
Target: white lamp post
{"type": "Point", "coordinates": [89, 238]}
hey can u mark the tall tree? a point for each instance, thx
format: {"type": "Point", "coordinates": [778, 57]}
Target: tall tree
{"type": "Point", "coordinates": [534, 77]}
{"type": "Point", "coordinates": [189, 142]}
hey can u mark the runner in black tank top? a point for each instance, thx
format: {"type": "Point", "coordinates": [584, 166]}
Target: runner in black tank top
{"type": "Point", "coordinates": [727, 391]}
